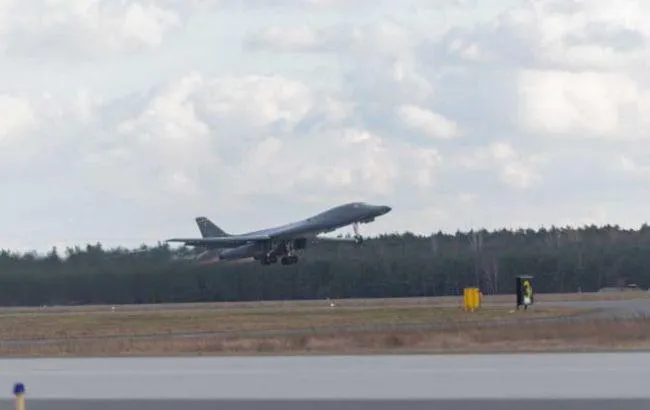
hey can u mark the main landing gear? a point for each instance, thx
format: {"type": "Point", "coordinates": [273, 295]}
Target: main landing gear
{"type": "Point", "coordinates": [286, 249]}
{"type": "Point", "coordinates": [357, 235]}
{"type": "Point", "coordinates": [268, 259]}
{"type": "Point", "coordinates": [289, 260]}
{"type": "Point", "coordinates": [285, 260]}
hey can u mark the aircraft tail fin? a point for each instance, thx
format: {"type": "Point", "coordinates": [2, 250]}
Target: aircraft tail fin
{"type": "Point", "coordinates": [208, 228]}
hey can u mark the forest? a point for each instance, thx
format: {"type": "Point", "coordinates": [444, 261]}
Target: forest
{"type": "Point", "coordinates": [391, 265]}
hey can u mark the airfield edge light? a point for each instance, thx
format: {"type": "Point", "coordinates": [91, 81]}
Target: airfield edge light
{"type": "Point", "coordinates": [19, 393]}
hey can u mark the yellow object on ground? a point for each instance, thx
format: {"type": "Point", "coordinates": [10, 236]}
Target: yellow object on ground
{"type": "Point", "coordinates": [471, 299]}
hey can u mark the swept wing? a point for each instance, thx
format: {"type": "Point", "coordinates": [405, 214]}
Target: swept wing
{"type": "Point", "coordinates": [233, 240]}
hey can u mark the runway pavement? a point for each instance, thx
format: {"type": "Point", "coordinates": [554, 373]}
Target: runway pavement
{"type": "Point", "coordinates": [461, 382]}
{"type": "Point", "coordinates": [335, 405]}
{"type": "Point", "coordinates": [609, 308]}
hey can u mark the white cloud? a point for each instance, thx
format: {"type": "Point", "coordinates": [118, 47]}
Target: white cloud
{"type": "Point", "coordinates": [563, 34]}
{"type": "Point", "coordinates": [312, 5]}
{"type": "Point", "coordinates": [458, 119]}
{"type": "Point", "coordinates": [427, 122]}
{"type": "Point", "coordinates": [589, 104]}
{"type": "Point", "coordinates": [83, 27]}
{"type": "Point", "coordinates": [17, 116]}
{"type": "Point", "coordinates": [382, 38]}
{"type": "Point", "coordinates": [257, 101]}
{"type": "Point", "coordinates": [33, 128]}
{"type": "Point", "coordinates": [629, 166]}
{"type": "Point", "coordinates": [513, 168]}
{"type": "Point", "coordinates": [234, 137]}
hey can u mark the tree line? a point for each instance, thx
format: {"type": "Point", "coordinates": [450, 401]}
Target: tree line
{"type": "Point", "coordinates": [391, 265]}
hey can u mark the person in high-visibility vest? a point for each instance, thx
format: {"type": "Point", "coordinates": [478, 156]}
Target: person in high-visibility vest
{"type": "Point", "coordinates": [528, 293]}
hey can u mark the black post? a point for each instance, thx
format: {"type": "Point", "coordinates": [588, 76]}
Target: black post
{"type": "Point", "coordinates": [524, 289]}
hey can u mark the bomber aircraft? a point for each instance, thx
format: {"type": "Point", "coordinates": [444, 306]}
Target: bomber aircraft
{"type": "Point", "coordinates": [282, 242]}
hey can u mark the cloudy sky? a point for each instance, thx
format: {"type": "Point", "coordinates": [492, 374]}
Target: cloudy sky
{"type": "Point", "coordinates": [122, 120]}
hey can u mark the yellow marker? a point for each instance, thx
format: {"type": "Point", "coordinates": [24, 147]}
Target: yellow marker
{"type": "Point", "coordinates": [19, 392]}
{"type": "Point", "coordinates": [471, 299]}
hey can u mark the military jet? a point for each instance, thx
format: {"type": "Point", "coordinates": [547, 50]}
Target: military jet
{"type": "Point", "coordinates": [282, 242]}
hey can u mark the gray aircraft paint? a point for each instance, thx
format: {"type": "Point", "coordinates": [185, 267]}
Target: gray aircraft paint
{"type": "Point", "coordinates": [208, 229]}
{"type": "Point", "coordinates": [257, 244]}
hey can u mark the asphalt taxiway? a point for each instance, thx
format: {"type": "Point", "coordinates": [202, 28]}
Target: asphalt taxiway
{"type": "Point", "coordinates": [461, 382]}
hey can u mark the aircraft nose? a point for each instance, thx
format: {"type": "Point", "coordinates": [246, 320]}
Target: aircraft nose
{"type": "Point", "coordinates": [385, 209]}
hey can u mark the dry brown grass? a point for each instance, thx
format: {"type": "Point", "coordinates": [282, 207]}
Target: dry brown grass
{"type": "Point", "coordinates": [603, 334]}
{"type": "Point", "coordinates": [352, 326]}
{"type": "Point", "coordinates": [169, 322]}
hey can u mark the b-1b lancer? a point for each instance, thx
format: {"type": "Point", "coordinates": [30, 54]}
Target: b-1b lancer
{"type": "Point", "coordinates": [282, 242]}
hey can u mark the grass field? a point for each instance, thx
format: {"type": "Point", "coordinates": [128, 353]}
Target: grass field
{"type": "Point", "coordinates": [240, 321]}
{"type": "Point", "coordinates": [351, 326]}
{"type": "Point", "coordinates": [592, 335]}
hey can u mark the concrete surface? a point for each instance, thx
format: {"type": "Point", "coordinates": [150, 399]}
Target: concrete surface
{"type": "Point", "coordinates": [609, 308]}
{"type": "Point", "coordinates": [334, 405]}
{"type": "Point", "coordinates": [458, 382]}
{"type": "Point", "coordinates": [506, 376]}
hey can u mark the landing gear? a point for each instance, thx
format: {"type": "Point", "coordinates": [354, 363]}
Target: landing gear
{"type": "Point", "coordinates": [289, 260]}
{"type": "Point", "coordinates": [286, 249]}
{"type": "Point", "coordinates": [285, 260]}
{"type": "Point", "coordinates": [290, 257]}
{"type": "Point", "coordinates": [357, 236]}
{"type": "Point", "coordinates": [269, 259]}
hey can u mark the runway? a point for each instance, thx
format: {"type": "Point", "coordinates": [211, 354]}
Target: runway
{"type": "Point", "coordinates": [621, 309]}
{"type": "Point", "coordinates": [461, 382]}
{"type": "Point", "coordinates": [336, 405]}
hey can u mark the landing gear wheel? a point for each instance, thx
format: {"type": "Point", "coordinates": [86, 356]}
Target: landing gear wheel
{"type": "Point", "coordinates": [289, 260]}
{"type": "Point", "coordinates": [268, 260]}
{"type": "Point", "coordinates": [357, 235]}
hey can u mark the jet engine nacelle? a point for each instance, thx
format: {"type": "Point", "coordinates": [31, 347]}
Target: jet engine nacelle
{"type": "Point", "coordinates": [243, 251]}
